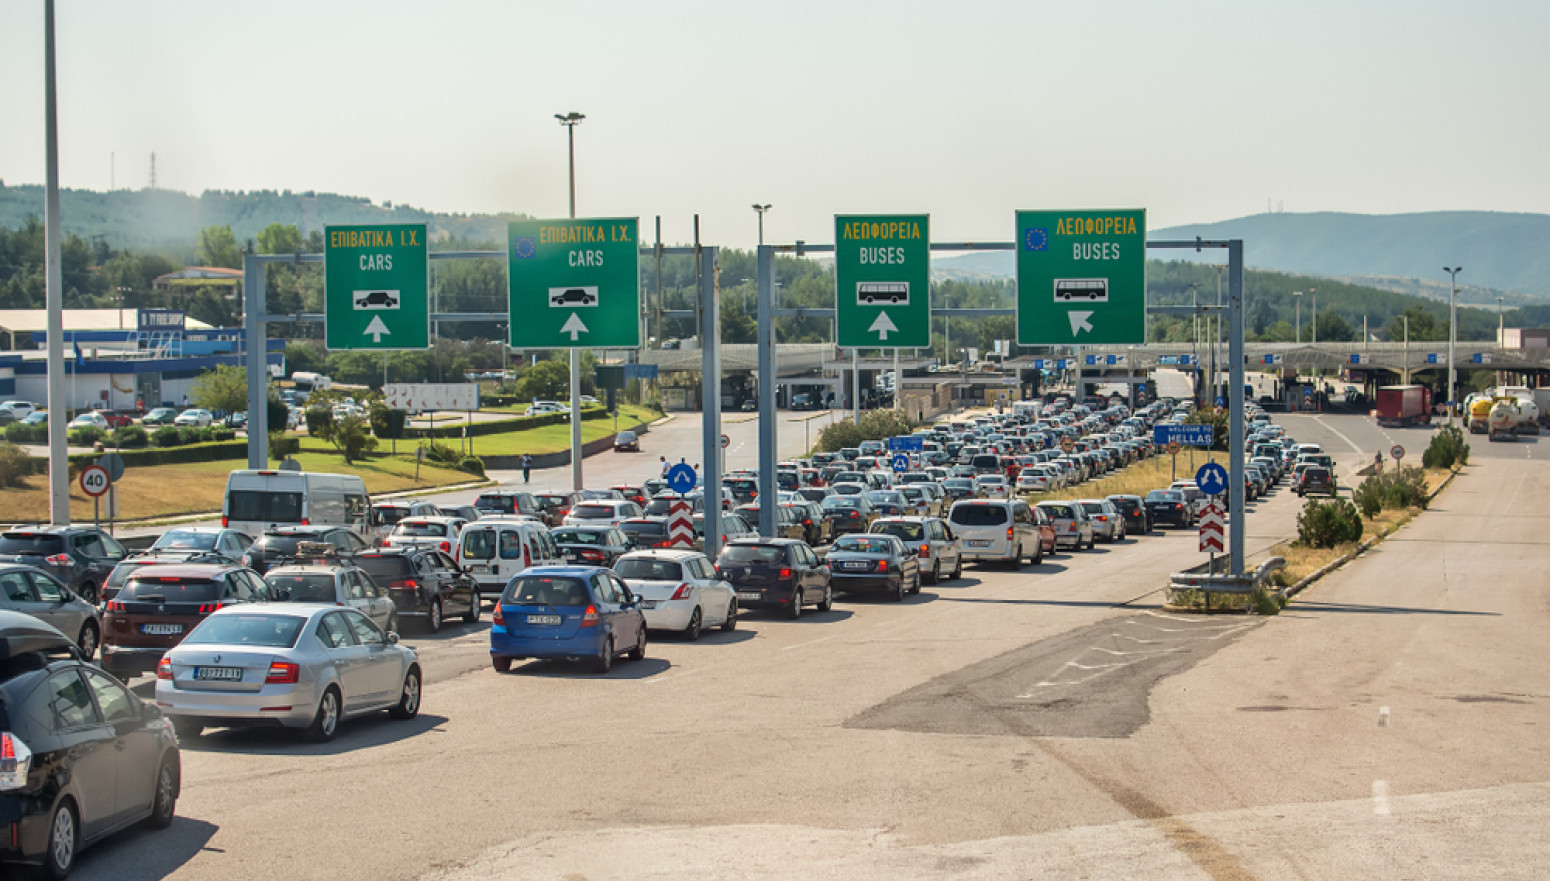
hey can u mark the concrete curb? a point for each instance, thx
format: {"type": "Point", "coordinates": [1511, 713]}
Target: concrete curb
{"type": "Point", "coordinates": [1362, 548]}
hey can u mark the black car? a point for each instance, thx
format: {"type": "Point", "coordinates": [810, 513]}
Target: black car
{"type": "Point", "coordinates": [1316, 480]}
{"type": "Point", "coordinates": [508, 502]}
{"type": "Point", "coordinates": [80, 556]}
{"type": "Point", "coordinates": [279, 545]}
{"type": "Point", "coordinates": [871, 562]}
{"type": "Point", "coordinates": [81, 757]}
{"type": "Point", "coordinates": [424, 584]}
{"type": "Point", "coordinates": [776, 573]}
{"type": "Point", "coordinates": [645, 532]}
{"type": "Point", "coordinates": [1138, 519]}
{"type": "Point", "coordinates": [1169, 506]}
{"type": "Point", "coordinates": [591, 545]}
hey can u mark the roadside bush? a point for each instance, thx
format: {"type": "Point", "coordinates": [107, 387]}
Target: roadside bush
{"type": "Point", "coordinates": [320, 421]}
{"type": "Point", "coordinates": [1217, 419]}
{"type": "Point", "coordinates": [351, 436]}
{"type": "Point", "coordinates": [839, 435]}
{"type": "Point", "coordinates": [15, 464]}
{"type": "Point", "coordinates": [473, 465]}
{"type": "Point", "coordinates": [1396, 489]}
{"type": "Point", "coordinates": [85, 436]}
{"type": "Point", "coordinates": [130, 436]}
{"type": "Point", "coordinates": [1329, 523]}
{"type": "Point", "coordinates": [193, 434]}
{"type": "Point", "coordinates": [166, 436]}
{"type": "Point", "coordinates": [386, 423]}
{"type": "Point", "coordinates": [1447, 449]}
{"type": "Point", "coordinates": [282, 445]}
{"type": "Point", "coordinates": [18, 433]}
{"type": "Point", "coordinates": [223, 434]}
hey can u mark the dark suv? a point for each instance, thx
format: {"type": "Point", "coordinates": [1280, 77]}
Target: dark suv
{"type": "Point", "coordinates": [776, 573]}
{"type": "Point", "coordinates": [507, 502]}
{"type": "Point", "coordinates": [424, 583]}
{"type": "Point", "coordinates": [80, 756]}
{"type": "Point", "coordinates": [1316, 480]}
{"type": "Point", "coordinates": [280, 544]}
{"type": "Point", "coordinates": [159, 604]}
{"type": "Point", "coordinates": [79, 556]}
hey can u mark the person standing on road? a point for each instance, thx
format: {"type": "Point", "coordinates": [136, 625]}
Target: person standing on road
{"type": "Point", "coordinates": [527, 468]}
{"type": "Point", "coordinates": [665, 466]}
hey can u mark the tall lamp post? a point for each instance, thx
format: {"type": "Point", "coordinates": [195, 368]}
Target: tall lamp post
{"type": "Point", "coordinates": [1314, 293]}
{"type": "Point", "coordinates": [761, 209]}
{"type": "Point", "coordinates": [1453, 329]}
{"type": "Point", "coordinates": [1298, 295]}
{"type": "Point", "coordinates": [570, 121]}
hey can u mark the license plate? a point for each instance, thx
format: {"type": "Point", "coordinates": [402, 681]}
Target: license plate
{"type": "Point", "coordinates": [223, 674]}
{"type": "Point", "coordinates": [478, 568]}
{"type": "Point", "coordinates": [979, 543]}
{"type": "Point", "coordinates": [749, 595]}
{"type": "Point", "coordinates": [648, 604]}
{"type": "Point", "coordinates": [855, 564]}
{"type": "Point", "coordinates": [543, 619]}
{"type": "Point", "coordinates": [161, 629]}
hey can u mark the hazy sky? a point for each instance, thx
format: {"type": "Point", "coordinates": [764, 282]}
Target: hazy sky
{"type": "Point", "coordinates": [966, 111]}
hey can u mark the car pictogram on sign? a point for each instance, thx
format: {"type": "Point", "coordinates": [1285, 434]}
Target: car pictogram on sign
{"type": "Point", "coordinates": [585, 296]}
{"type": "Point", "coordinates": [376, 299]}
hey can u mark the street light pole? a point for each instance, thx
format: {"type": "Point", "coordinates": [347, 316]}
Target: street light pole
{"type": "Point", "coordinates": [761, 209]}
{"type": "Point", "coordinates": [1453, 321]}
{"type": "Point", "coordinates": [570, 121]}
{"type": "Point", "coordinates": [1314, 293]}
{"type": "Point", "coordinates": [1298, 295]}
{"type": "Point", "coordinates": [1501, 333]}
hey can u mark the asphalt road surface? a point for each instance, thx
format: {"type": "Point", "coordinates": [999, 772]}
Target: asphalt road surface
{"type": "Point", "coordinates": [1047, 723]}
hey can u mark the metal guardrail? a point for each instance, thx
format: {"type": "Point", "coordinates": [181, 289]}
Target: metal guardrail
{"type": "Point", "coordinates": [1193, 589]}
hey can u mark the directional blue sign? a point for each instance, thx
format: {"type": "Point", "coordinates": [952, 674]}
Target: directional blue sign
{"type": "Point", "coordinates": [1273, 359]}
{"type": "Point", "coordinates": [1221, 401]}
{"type": "Point", "coordinates": [912, 442]}
{"type": "Point", "coordinates": [1188, 435]}
{"type": "Point", "coordinates": [1212, 479]}
{"type": "Point", "coordinates": [1431, 357]}
{"type": "Point", "coordinates": [681, 478]}
{"type": "Point", "coordinates": [901, 463]}
{"type": "Point", "coordinates": [1038, 364]}
{"type": "Point", "coordinates": [1360, 359]}
{"type": "Point", "coordinates": [1114, 359]}
{"type": "Point", "coordinates": [1060, 364]}
{"type": "Point", "coordinates": [1091, 359]}
{"type": "Point", "coordinates": [1481, 358]}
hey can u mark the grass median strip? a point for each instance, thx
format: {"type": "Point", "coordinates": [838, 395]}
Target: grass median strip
{"type": "Point", "coordinates": [1138, 479]}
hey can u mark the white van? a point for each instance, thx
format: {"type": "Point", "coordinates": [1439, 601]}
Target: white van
{"type": "Point", "coordinates": [494, 549]}
{"type": "Point", "coordinates": [257, 500]}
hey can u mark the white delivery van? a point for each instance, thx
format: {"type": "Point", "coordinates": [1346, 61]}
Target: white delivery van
{"type": "Point", "coordinates": [494, 549]}
{"type": "Point", "coordinates": [257, 500]}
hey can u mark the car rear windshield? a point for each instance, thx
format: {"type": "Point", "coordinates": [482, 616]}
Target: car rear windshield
{"type": "Point", "coordinates": [383, 567]}
{"type": "Point", "coordinates": [282, 545]}
{"type": "Point", "coordinates": [171, 589]}
{"type": "Point", "coordinates": [263, 505]}
{"type": "Point", "coordinates": [270, 631]}
{"type": "Point", "coordinates": [412, 529]}
{"type": "Point", "coordinates": [647, 569]}
{"type": "Point", "coordinates": [37, 544]}
{"type": "Point", "coordinates": [863, 545]}
{"type": "Point", "coordinates": [186, 539]}
{"type": "Point", "coordinates": [539, 590]}
{"type": "Point", "coordinates": [590, 512]}
{"type": "Point", "coordinates": [905, 530]}
{"type": "Point", "coordinates": [122, 571]}
{"type": "Point", "coordinates": [1158, 495]}
{"type": "Point", "coordinates": [753, 554]}
{"type": "Point", "coordinates": [641, 527]}
{"type": "Point", "coordinates": [978, 515]}
{"type": "Point", "coordinates": [1061, 512]}
{"type": "Point", "coordinates": [841, 502]}
{"type": "Point", "coordinates": [312, 587]}
{"type": "Point", "coordinates": [504, 504]}
{"type": "Point", "coordinates": [1125, 504]}
{"type": "Point", "coordinates": [578, 536]}
{"type": "Point", "coordinates": [387, 515]}
{"type": "Point", "coordinates": [479, 544]}
{"type": "Point", "coordinates": [1092, 507]}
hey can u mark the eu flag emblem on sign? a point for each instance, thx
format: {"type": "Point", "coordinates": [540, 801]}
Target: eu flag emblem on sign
{"type": "Point", "coordinates": [523, 247]}
{"type": "Point", "coordinates": [1035, 238]}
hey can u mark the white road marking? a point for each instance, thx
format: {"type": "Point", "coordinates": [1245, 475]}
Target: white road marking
{"type": "Point", "coordinates": [801, 645]}
{"type": "Point", "coordinates": [1380, 797]}
{"type": "Point", "coordinates": [1383, 717]}
{"type": "Point", "coordinates": [1336, 431]}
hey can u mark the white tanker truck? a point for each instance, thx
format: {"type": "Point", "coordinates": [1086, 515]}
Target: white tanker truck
{"type": "Point", "coordinates": [1505, 419]}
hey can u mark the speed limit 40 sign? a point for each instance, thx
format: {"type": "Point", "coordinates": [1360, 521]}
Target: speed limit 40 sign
{"type": "Point", "coordinates": [95, 480]}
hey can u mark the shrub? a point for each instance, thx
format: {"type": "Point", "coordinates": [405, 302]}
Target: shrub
{"type": "Point", "coordinates": [15, 464]}
{"type": "Point", "coordinates": [1447, 449]}
{"type": "Point", "coordinates": [352, 437]}
{"type": "Point", "coordinates": [18, 433]}
{"type": "Point", "coordinates": [1368, 496]}
{"type": "Point", "coordinates": [279, 414]}
{"type": "Point", "coordinates": [320, 421]}
{"type": "Point", "coordinates": [223, 434]}
{"type": "Point", "coordinates": [1326, 524]}
{"type": "Point", "coordinates": [282, 445]}
{"type": "Point", "coordinates": [130, 436]}
{"type": "Point", "coordinates": [166, 436]}
{"type": "Point", "coordinates": [442, 453]}
{"type": "Point", "coordinates": [839, 435]}
{"type": "Point", "coordinates": [473, 465]}
{"type": "Point", "coordinates": [85, 436]}
{"type": "Point", "coordinates": [193, 434]}
{"type": "Point", "coordinates": [386, 423]}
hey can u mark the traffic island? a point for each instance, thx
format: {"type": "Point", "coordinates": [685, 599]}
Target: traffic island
{"type": "Point", "coordinates": [1211, 588]}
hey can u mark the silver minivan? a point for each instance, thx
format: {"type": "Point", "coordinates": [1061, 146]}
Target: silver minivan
{"type": "Point", "coordinates": [1001, 530]}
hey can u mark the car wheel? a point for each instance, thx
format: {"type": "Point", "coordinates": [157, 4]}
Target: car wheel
{"type": "Point", "coordinates": [1016, 562]}
{"type": "Point", "coordinates": [692, 632]}
{"type": "Point", "coordinates": [1038, 552]}
{"type": "Point", "coordinates": [897, 594]}
{"type": "Point", "coordinates": [605, 661]}
{"type": "Point", "coordinates": [187, 729]}
{"type": "Point", "coordinates": [409, 699]}
{"type": "Point", "coordinates": [795, 611]}
{"type": "Point", "coordinates": [915, 587]}
{"type": "Point", "coordinates": [958, 567]}
{"type": "Point", "coordinates": [827, 602]}
{"type": "Point", "coordinates": [475, 608]}
{"type": "Point", "coordinates": [166, 803]}
{"type": "Point", "coordinates": [64, 839]}
{"type": "Point", "coordinates": [730, 624]}
{"type": "Point", "coordinates": [433, 619]}
{"type": "Point", "coordinates": [87, 641]}
{"type": "Point", "coordinates": [639, 652]}
{"type": "Point", "coordinates": [501, 665]}
{"type": "Point", "coordinates": [326, 723]}
{"type": "Point", "coordinates": [88, 592]}
{"type": "Point", "coordinates": [936, 571]}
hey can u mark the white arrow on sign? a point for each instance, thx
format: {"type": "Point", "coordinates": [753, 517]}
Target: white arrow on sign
{"type": "Point", "coordinates": [573, 326]}
{"type": "Point", "coordinates": [883, 326]}
{"type": "Point", "coordinates": [1079, 322]}
{"type": "Point", "coordinates": [376, 329]}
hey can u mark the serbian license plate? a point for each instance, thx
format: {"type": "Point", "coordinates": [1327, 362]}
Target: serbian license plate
{"type": "Point", "coordinates": [161, 629]}
{"type": "Point", "coordinates": [749, 595]}
{"type": "Point", "coordinates": [543, 619]}
{"type": "Point", "coordinates": [855, 564]}
{"type": "Point", "coordinates": [648, 604]}
{"type": "Point", "coordinates": [219, 674]}
{"type": "Point", "coordinates": [478, 568]}
{"type": "Point", "coordinates": [979, 542]}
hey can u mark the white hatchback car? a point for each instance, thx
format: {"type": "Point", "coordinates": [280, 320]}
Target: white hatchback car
{"type": "Point", "coordinates": [679, 590]}
{"type": "Point", "coordinates": [194, 416]}
{"type": "Point", "coordinates": [602, 512]}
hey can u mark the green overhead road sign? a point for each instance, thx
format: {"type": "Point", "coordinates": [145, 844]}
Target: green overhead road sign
{"type": "Point", "coordinates": [375, 289]}
{"type": "Point", "coordinates": [1081, 277]}
{"type": "Point", "coordinates": [882, 274]}
{"type": "Point", "coordinates": [574, 284]}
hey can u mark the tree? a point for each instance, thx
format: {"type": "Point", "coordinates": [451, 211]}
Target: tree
{"type": "Point", "coordinates": [1333, 328]}
{"type": "Point", "coordinates": [280, 238]}
{"type": "Point", "coordinates": [544, 381]}
{"type": "Point", "coordinates": [1424, 326]}
{"type": "Point", "coordinates": [351, 436]}
{"type": "Point", "coordinates": [223, 389]}
{"type": "Point", "coordinates": [218, 247]}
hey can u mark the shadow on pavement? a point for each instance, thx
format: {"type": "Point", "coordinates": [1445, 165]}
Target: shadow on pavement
{"type": "Point", "coordinates": [376, 729]}
{"type": "Point", "coordinates": [144, 854]}
{"type": "Point", "coordinates": [1383, 610]}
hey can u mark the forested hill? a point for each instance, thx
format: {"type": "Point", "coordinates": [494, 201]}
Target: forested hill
{"type": "Point", "coordinates": [168, 221]}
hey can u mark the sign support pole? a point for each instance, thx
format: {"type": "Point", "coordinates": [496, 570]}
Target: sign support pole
{"type": "Point", "coordinates": [575, 419]}
{"type": "Point", "coordinates": [855, 385]}
{"type": "Point", "coordinates": [1237, 515]}
{"type": "Point", "coordinates": [710, 405]}
{"type": "Point", "coordinates": [768, 437]}
{"type": "Point", "coordinates": [255, 336]}
{"type": "Point", "coordinates": [53, 291]}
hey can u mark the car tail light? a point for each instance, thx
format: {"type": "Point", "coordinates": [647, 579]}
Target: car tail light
{"type": "Point", "coordinates": [882, 565]}
{"type": "Point", "coordinates": [1101, 518]}
{"type": "Point", "coordinates": [683, 592]}
{"type": "Point", "coordinates": [590, 618]}
{"type": "Point", "coordinates": [498, 619]}
{"type": "Point", "coordinates": [282, 673]}
{"type": "Point", "coordinates": [406, 584]}
{"type": "Point", "coordinates": [783, 574]}
{"type": "Point", "coordinates": [117, 606]}
{"type": "Point", "coordinates": [446, 547]}
{"type": "Point", "coordinates": [224, 522]}
{"type": "Point", "coordinates": [527, 557]}
{"type": "Point", "coordinates": [925, 552]}
{"type": "Point", "coordinates": [1009, 533]}
{"type": "Point", "coordinates": [59, 560]}
{"type": "Point", "coordinates": [164, 669]}
{"type": "Point", "coordinates": [854, 515]}
{"type": "Point", "coordinates": [207, 608]}
{"type": "Point", "coordinates": [15, 762]}
{"type": "Point", "coordinates": [591, 555]}
{"type": "Point", "coordinates": [306, 521]}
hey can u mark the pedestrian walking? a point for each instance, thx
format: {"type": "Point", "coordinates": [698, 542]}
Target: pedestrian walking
{"type": "Point", "coordinates": [527, 468]}
{"type": "Point", "coordinates": [665, 466]}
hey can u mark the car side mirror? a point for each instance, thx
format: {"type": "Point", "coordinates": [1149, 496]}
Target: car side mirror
{"type": "Point", "coordinates": [392, 637]}
{"type": "Point", "coordinates": [149, 711]}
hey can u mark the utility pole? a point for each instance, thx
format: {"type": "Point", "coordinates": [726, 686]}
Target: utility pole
{"type": "Point", "coordinates": [1453, 322]}
{"type": "Point", "coordinates": [53, 289]}
{"type": "Point", "coordinates": [761, 209]}
{"type": "Point", "coordinates": [570, 121]}
{"type": "Point", "coordinates": [1298, 295]}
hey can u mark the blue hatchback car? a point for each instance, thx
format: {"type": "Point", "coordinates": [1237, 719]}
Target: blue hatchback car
{"type": "Point", "coordinates": [567, 613]}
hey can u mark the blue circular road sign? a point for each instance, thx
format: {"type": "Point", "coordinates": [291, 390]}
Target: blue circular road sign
{"type": "Point", "coordinates": [1212, 479]}
{"type": "Point", "coordinates": [681, 478]}
{"type": "Point", "coordinates": [901, 463]}
{"type": "Point", "coordinates": [1221, 401]}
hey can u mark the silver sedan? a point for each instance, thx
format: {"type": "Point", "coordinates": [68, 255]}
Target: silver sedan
{"type": "Point", "coordinates": [296, 666]}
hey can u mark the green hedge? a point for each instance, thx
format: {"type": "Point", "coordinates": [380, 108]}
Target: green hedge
{"type": "Point", "coordinates": [501, 426]}
{"type": "Point", "coordinates": [18, 433]}
{"type": "Point", "coordinates": [209, 452]}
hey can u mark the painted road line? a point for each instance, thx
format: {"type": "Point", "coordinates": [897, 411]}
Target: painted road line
{"type": "Point", "coordinates": [1383, 717]}
{"type": "Point", "coordinates": [1380, 797]}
